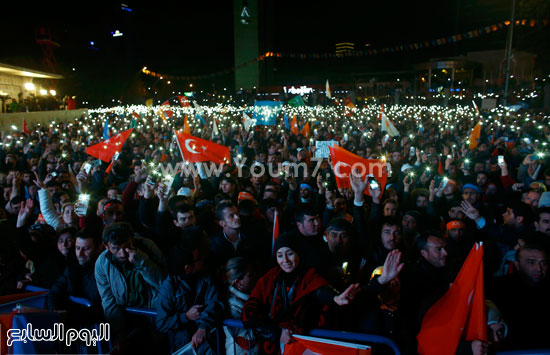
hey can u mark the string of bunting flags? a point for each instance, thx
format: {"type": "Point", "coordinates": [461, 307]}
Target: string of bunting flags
{"type": "Point", "coordinates": [475, 33]}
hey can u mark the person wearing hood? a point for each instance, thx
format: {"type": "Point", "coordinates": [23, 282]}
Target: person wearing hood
{"type": "Point", "coordinates": [288, 298]}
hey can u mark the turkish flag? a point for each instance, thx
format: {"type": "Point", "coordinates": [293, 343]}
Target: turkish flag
{"type": "Point", "coordinates": [184, 102]}
{"type": "Point", "coordinates": [25, 128]}
{"type": "Point", "coordinates": [165, 110]}
{"type": "Point", "coordinates": [106, 149]}
{"type": "Point", "coordinates": [312, 345]}
{"type": "Point", "coordinates": [343, 161]}
{"type": "Point", "coordinates": [194, 149]}
{"type": "Point", "coordinates": [349, 103]}
{"type": "Point", "coordinates": [460, 313]}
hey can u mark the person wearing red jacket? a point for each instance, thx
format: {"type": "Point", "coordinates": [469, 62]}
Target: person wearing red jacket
{"type": "Point", "coordinates": [289, 298]}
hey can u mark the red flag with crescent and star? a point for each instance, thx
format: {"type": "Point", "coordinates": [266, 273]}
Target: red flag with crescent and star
{"type": "Point", "coordinates": [106, 149]}
{"type": "Point", "coordinates": [194, 149]}
{"type": "Point", "coordinates": [184, 101]}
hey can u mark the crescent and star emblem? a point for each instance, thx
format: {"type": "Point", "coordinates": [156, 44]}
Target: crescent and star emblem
{"type": "Point", "coordinates": [191, 150]}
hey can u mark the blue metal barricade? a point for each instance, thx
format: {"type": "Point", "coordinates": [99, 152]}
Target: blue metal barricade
{"type": "Point", "coordinates": [81, 301]}
{"type": "Point", "coordinates": [141, 311]}
{"type": "Point", "coordinates": [525, 352]}
{"type": "Point", "coordinates": [321, 333]}
{"type": "Point", "coordinates": [32, 288]}
{"type": "Point", "coordinates": [336, 335]}
{"type": "Point", "coordinates": [32, 301]}
{"type": "Point", "coordinates": [235, 323]}
{"type": "Point", "coordinates": [361, 337]}
{"type": "Point", "coordinates": [39, 302]}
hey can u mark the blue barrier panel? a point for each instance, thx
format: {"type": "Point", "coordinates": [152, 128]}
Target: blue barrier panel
{"type": "Point", "coordinates": [321, 333]}
{"type": "Point", "coordinates": [362, 337]}
{"type": "Point", "coordinates": [338, 335]}
{"type": "Point", "coordinates": [525, 352]}
{"type": "Point", "coordinates": [234, 323]}
{"type": "Point", "coordinates": [32, 288]}
{"type": "Point", "coordinates": [81, 301]}
{"type": "Point", "coordinates": [141, 311]}
{"type": "Point", "coordinates": [37, 321]}
{"type": "Point", "coordinates": [33, 301]}
{"type": "Point", "coordinates": [78, 300]}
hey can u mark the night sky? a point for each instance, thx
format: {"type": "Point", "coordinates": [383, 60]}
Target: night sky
{"type": "Point", "coordinates": [196, 37]}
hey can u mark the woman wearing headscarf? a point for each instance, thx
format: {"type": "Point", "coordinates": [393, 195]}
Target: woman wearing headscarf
{"type": "Point", "coordinates": [289, 298]}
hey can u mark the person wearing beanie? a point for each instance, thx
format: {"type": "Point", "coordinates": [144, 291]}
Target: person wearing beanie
{"type": "Point", "coordinates": [459, 243]}
{"type": "Point", "coordinates": [288, 298]}
{"type": "Point", "coordinates": [471, 193]}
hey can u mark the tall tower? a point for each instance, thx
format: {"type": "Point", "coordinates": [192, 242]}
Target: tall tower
{"type": "Point", "coordinates": [44, 39]}
{"type": "Point", "coordinates": [245, 25]}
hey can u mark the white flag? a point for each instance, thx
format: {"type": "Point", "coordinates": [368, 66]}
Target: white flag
{"type": "Point", "coordinates": [198, 109]}
{"type": "Point", "coordinates": [475, 107]}
{"type": "Point", "coordinates": [387, 126]}
{"type": "Point", "coordinates": [215, 131]}
{"type": "Point", "coordinates": [247, 121]}
{"type": "Point", "coordinates": [327, 90]}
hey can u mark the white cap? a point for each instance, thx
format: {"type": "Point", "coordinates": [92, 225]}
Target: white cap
{"type": "Point", "coordinates": [406, 167]}
{"type": "Point", "coordinates": [185, 191]}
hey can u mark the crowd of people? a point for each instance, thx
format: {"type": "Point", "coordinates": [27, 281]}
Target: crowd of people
{"type": "Point", "coordinates": [32, 103]}
{"type": "Point", "coordinates": [202, 249]}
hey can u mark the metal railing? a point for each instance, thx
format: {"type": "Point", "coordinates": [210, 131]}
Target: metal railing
{"type": "Point", "coordinates": [235, 323]}
{"type": "Point", "coordinates": [38, 302]}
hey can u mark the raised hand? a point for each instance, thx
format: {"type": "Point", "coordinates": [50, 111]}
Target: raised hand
{"type": "Point", "coordinates": [407, 182]}
{"type": "Point", "coordinates": [348, 295]}
{"type": "Point", "coordinates": [24, 212]}
{"type": "Point", "coordinates": [320, 186]}
{"type": "Point", "coordinates": [375, 194]}
{"type": "Point", "coordinates": [433, 188]}
{"type": "Point", "coordinates": [330, 197]}
{"type": "Point", "coordinates": [41, 184]}
{"type": "Point", "coordinates": [16, 181]}
{"type": "Point", "coordinates": [470, 211]}
{"type": "Point", "coordinates": [149, 188]}
{"type": "Point", "coordinates": [161, 192]}
{"type": "Point", "coordinates": [358, 184]}
{"type": "Point", "coordinates": [392, 267]}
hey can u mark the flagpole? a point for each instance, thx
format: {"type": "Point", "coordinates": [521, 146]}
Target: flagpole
{"type": "Point", "coordinates": [273, 234]}
{"type": "Point", "coordinates": [178, 143]}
